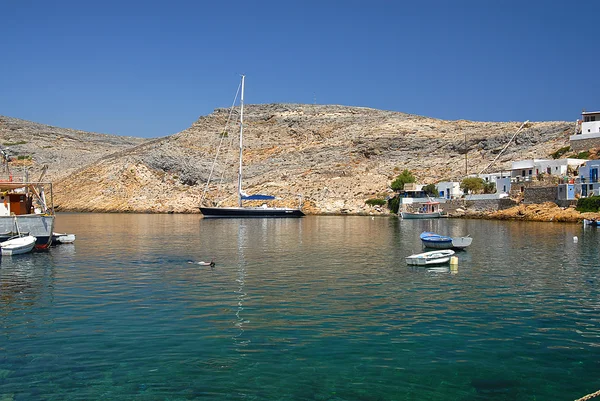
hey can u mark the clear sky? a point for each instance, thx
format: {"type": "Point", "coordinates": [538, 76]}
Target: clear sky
{"type": "Point", "coordinates": [151, 68]}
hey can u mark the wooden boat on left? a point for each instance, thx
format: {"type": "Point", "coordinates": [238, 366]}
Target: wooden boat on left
{"type": "Point", "coordinates": [26, 207]}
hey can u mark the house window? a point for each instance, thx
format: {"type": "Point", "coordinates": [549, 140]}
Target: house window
{"type": "Point", "coordinates": [549, 170]}
{"type": "Point", "coordinates": [530, 172]}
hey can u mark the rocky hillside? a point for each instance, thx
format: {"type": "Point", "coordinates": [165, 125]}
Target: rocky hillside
{"type": "Point", "coordinates": [31, 146]}
{"type": "Point", "coordinates": [336, 157]}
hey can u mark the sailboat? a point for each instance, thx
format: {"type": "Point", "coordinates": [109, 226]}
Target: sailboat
{"type": "Point", "coordinates": [248, 211]}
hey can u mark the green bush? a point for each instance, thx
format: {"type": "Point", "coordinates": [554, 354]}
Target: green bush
{"type": "Point", "coordinates": [582, 155]}
{"type": "Point", "coordinates": [472, 185]}
{"type": "Point", "coordinates": [404, 178]}
{"type": "Point", "coordinates": [14, 143]}
{"type": "Point", "coordinates": [560, 152]}
{"type": "Point", "coordinates": [375, 202]}
{"type": "Point", "coordinates": [589, 204]}
{"type": "Point", "coordinates": [430, 190]}
{"type": "Point", "coordinates": [23, 157]}
{"type": "Point", "coordinates": [394, 204]}
{"type": "Point", "coordinates": [489, 188]}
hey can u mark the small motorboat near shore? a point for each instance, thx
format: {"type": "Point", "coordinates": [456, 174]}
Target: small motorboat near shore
{"type": "Point", "coordinates": [436, 241]}
{"type": "Point", "coordinates": [430, 258]}
{"type": "Point", "coordinates": [591, 222]}
{"type": "Point", "coordinates": [18, 245]}
{"type": "Point", "coordinates": [58, 238]}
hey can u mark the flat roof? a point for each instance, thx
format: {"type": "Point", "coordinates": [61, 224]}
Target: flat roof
{"type": "Point", "coordinates": [583, 113]}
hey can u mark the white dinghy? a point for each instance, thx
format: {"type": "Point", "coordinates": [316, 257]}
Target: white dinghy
{"type": "Point", "coordinates": [430, 258]}
{"type": "Point", "coordinates": [18, 245]}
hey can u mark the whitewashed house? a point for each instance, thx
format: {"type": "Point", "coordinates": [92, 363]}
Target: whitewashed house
{"type": "Point", "coordinates": [588, 127]}
{"type": "Point", "coordinates": [526, 170]}
{"type": "Point", "coordinates": [449, 189]}
{"type": "Point", "coordinates": [588, 178]}
{"type": "Point", "coordinates": [500, 179]}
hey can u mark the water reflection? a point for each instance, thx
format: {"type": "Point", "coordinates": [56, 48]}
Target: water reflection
{"type": "Point", "coordinates": [313, 308]}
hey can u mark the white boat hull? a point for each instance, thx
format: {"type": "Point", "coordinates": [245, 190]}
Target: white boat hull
{"type": "Point", "coordinates": [430, 258]}
{"type": "Point", "coordinates": [58, 238]}
{"type": "Point", "coordinates": [37, 225]}
{"type": "Point", "coordinates": [18, 245]}
{"type": "Point", "coordinates": [461, 242]}
{"type": "Point", "coordinates": [416, 215]}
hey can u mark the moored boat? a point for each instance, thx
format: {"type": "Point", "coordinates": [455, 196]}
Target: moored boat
{"type": "Point", "coordinates": [24, 208]}
{"type": "Point", "coordinates": [430, 258]}
{"type": "Point", "coordinates": [591, 222]}
{"type": "Point", "coordinates": [241, 210]}
{"type": "Point", "coordinates": [426, 210]}
{"type": "Point", "coordinates": [64, 238]}
{"type": "Point", "coordinates": [18, 245]}
{"type": "Point", "coordinates": [436, 241]}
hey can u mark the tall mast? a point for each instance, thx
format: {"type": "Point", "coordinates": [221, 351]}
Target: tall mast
{"type": "Point", "coordinates": [241, 143]}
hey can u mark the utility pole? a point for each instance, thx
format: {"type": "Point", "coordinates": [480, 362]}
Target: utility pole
{"type": "Point", "coordinates": [466, 163]}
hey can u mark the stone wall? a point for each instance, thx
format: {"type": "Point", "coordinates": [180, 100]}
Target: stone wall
{"type": "Point", "coordinates": [580, 145]}
{"type": "Point", "coordinates": [540, 194]}
{"type": "Point", "coordinates": [566, 203]}
{"type": "Point", "coordinates": [480, 205]}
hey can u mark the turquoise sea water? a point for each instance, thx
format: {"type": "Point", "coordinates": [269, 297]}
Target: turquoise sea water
{"type": "Point", "coordinates": [320, 308]}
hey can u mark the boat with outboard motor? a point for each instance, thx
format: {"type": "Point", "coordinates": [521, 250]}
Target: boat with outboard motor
{"type": "Point", "coordinates": [436, 241]}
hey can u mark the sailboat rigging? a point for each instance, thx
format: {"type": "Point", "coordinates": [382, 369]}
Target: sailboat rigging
{"type": "Point", "coordinates": [247, 211]}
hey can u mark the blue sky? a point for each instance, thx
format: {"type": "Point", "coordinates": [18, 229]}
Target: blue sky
{"type": "Point", "coordinates": [151, 68]}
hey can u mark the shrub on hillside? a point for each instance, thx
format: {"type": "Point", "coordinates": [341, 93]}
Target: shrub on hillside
{"type": "Point", "coordinates": [560, 152]}
{"type": "Point", "coordinates": [375, 202]}
{"type": "Point", "coordinates": [394, 204]}
{"type": "Point", "coordinates": [404, 178]}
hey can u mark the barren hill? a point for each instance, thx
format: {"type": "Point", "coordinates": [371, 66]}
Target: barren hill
{"type": "Point", "coordinates": [336, 157]}
{"type": "Point", "coordinates": [32, 145]}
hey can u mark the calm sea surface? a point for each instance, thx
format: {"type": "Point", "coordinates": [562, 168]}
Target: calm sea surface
{"type": "Point", "coordinates": [320, 308]}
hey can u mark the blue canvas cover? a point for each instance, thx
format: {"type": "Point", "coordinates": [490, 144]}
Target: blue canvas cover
{"type": "Point", "coordinates": [257, 197]}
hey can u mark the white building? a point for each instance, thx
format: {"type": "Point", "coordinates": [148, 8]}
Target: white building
{"type": "Point", "coordinates": [526, 170]}
{"type": "Point", "coordinates": [588, 127]}
{"type": "Point", "coordinates": [588, 178]}
{"type": "Point", "coordinates": [449, 189]}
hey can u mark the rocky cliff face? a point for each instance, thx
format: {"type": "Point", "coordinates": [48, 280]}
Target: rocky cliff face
{"type": "Point", "coordinates": [32, 145]}
{"type": "Point", "coordinates": [336, 157]}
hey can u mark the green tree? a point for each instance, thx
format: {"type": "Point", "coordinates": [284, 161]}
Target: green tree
{"type": "Point", "coordinates": [404, 178]}
{"type": "Point", "coordinates": [430, 190]}
{"type": "Point", "coordinates": [489, 188]}
{"type": "Point", "coordinates": [472, 185]}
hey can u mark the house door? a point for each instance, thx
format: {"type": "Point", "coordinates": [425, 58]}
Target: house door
{"type": "Point", "coordinates": [594, 175]}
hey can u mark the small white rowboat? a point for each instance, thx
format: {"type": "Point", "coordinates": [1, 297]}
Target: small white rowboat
{"type": "Point", "coordinates": [430, 258]}
{"type": "Point", "coordinates": [18, 245]}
